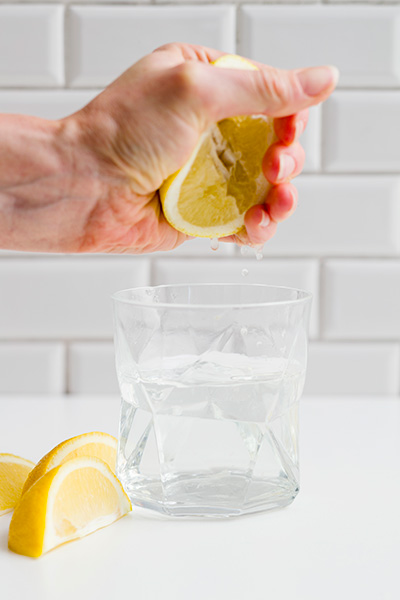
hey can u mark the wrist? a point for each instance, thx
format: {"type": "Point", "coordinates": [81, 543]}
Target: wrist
{"type": "Point", "coordinates": [39, 165]}
{"type": "Point", "coordinates": [28, 158]}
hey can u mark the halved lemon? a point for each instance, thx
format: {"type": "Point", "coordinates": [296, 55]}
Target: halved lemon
{"type": "Point", "coordinates": [69, 502]}
{"type": "Point", "coordinates": [223, 178]}
{"type": "Point", "coordinates": [13, 473]}
{"type": "Point", "coordinates": [96, 443]}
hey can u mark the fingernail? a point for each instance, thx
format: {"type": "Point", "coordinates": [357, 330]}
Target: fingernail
{"type": "Point", "coordinates": [286, 166]}
{"type": "Point", "coordinates": [316, 80]}
{"type": "Point", "coordinates": [265, 220]}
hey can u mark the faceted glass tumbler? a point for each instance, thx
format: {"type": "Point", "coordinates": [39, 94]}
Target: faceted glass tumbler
{"type": "Point", "coordinates": [210, 379]}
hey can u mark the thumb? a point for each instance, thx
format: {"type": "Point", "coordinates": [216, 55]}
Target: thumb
{"type": "Point", "coordinates": [273, 92]}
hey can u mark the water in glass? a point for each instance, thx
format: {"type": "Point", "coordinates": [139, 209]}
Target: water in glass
{"type": "Point", "coordinates": [214, 435]}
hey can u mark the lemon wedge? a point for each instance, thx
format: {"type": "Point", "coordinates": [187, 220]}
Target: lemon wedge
{"type": "Point", "coordinates": [68, 502]}
{"type": "Point", "coordinates": [96, 444]}
{"type": "Point", "coordinates": [13, 473]}
{"type": "Point", "coordinates": [223, 178]}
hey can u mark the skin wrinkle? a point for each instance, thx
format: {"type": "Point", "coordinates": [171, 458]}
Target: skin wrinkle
{"type": "Point", "coordinates": [128, 153]}
{"type": "Point", "coordinates": [89, 182]}
{"type": "Point", "coordinates": [8, 188]}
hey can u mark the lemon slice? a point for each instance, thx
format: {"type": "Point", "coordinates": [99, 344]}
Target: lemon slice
{"type": "Point", "coordinates": [13, 473]}
{"type": "Point", "coordinates": [69, 502]}
{"type": "Point", "coordinates": [98, 444]}
{"type": "Point", "coordinates": [223, 178]}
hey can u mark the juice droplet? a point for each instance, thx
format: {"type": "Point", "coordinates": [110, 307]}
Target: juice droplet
{"type": "Point", "coordinates": [259, 252]}
{"type": "Point", "coordinates": [244, 250]}
{"type": "Point", "coordinates": [243, 331]}
{"type": "Point", "coordinates": [214, 243]}
{"type": "Point", "coordinates": [245, 272]}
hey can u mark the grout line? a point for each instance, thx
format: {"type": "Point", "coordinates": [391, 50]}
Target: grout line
{"type": "Point", "coordinates": [398, 369]}
{"type": "Point", "coordinates": [101, 86]}
{"type": "Point", "coordinates": [64, 340]}
{"type": "Point", "coordinates": [272, 3]}
{"type": "Point", "coordinates": [321, 139]}
{"type": "Point", "coordinates": [238, 16]}
{"type": "Point", "coordinates": [257, 3]}
{"type": "Point", "coordinates": [369, 173]}
{"type": "Point", "coordinates": [348, 174]}
{"type": "Point", "coordinates": [356, 341]}
{"type": "Point", "coordinates": [298, 257]}
{"type": "Point", "coordinates": [20, 254]}
{"type": "Point", "coordinates": [321, 283]}
{"type": "Point", "coordinates": [313, 339]}
{"type": "Point", "coordinates": [67, 369]}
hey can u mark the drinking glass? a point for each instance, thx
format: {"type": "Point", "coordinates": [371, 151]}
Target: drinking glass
{"type": "Point", "coordinates": [210, 379]}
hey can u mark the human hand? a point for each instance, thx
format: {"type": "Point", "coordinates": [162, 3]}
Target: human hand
{"type": "Point", "coordinates": [144, 126]}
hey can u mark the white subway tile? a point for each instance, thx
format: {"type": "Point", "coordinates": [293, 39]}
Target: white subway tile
{"type": "Point", "coordinates": [302, 274]}
{"type": "Point", "coordinates": [360, 40]}
{"type": "Point", "coordinates": [104, 41]}
{"type": "Point", "coordinates": [31, 45]}
{"type": "Point", "coordinates": [64, 297]}
{"type": "Point", "coordinates": [342, 216]}
{"type": "Point", "coordinates": [361, 299]}
{"type": "Point", "coordinates": [46, 104]}
{"type": "Point", "coordinates": [92, 368]}
{"type": "Point", "coordinates": [352, 369]}
{"type": "Point", "coordinates": [361, 132]}
{"type": "Point", "coordinates": [30, 368]}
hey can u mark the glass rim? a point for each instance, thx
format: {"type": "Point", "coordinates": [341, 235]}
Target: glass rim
{"type": "Point", "coordinates": [118, 296]}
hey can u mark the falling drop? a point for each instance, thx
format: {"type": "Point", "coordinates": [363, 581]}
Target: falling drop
{"type": "Point", "coordinates": [214, 243]}
{"type": "Point", "coordinates": [259, 344]}
{"type": "Point", "coordinates": [244, 250]}
{"type": "Point", "coordinates": [259, 253]}
{"type": "Point", "coordinates": [245, 272]}
{"type": "Point", "coordinates": [243, 331]}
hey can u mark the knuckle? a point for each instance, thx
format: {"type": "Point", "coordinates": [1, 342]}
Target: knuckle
{"type": "Point", "coordinates": [180, 88]}
{"type": "Point", "coordinates": [185, 78]}
{"type": "Point", "coordinates": [186, 85]}
{"type": "Point", "coordinates": [280, 87]}
{"type": "Point", "coordinates": [166, 47]}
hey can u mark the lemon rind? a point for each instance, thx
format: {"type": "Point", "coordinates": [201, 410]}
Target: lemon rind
{"type": "Point", "coordinates": [173, 183]}
{"type": "Point", "coordinates": [64, 448]}
{"type": "Point", "coordinates": [6, 458]}
{"type": "Point", "coordinates": [36, 537]}
{"type": "Point", "coordinates": [172, 186]}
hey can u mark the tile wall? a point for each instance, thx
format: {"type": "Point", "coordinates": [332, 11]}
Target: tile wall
{"type": "Point", "coordinates": [343, 243]}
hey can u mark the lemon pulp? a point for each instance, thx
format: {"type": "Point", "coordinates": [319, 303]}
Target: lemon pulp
{"type": "Point", "coordinates": [223, 178]}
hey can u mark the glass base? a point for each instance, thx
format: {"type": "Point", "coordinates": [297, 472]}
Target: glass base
{"type": "Point", "coordinates": [213, 495]}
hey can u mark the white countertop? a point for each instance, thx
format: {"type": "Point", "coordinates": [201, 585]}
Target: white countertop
{"type": "Point", "coordinates": [340, 539]}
